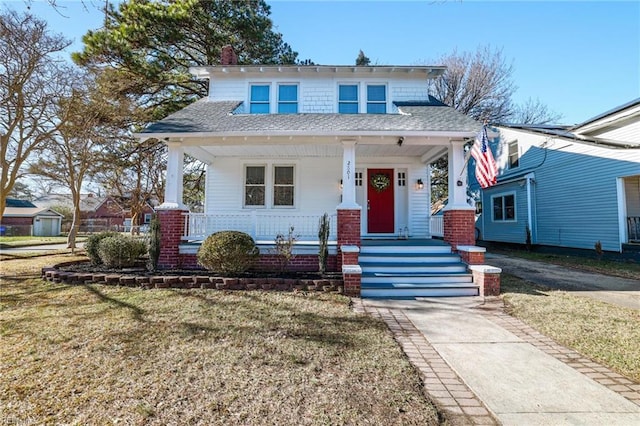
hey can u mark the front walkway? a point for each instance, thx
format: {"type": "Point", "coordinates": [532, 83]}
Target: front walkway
{"type": "Point", "coordinates": [483, 366]}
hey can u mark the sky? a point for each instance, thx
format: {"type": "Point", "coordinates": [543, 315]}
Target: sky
{"type": "Point", "coordinates": [580, 59]}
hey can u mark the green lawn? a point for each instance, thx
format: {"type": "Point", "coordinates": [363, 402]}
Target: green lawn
{"type": "Point", "coordinates": [105, 355]}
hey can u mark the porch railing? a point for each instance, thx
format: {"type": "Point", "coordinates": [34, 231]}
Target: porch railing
{"type": "Point", "coordinates": [633, 228]}
{"type": "Point", "coordinates": [262, 226]}
{"type": "Point", "coordinates": [437, 226]}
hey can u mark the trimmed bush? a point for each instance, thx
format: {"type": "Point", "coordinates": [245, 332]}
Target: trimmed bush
{"type": "Point", "coordinates": [228, 252]}
{"type": "Point", "coordinates": [121, 251]}
{"type": "Point", "coordinates": [92, 244]}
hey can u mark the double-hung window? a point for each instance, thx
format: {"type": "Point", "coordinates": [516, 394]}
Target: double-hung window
{"type": "Point", "coordinates": [287, 99]}
{"type": "Point", "coordinates": [259, 102]}
{"type": "Point", "coordinates": [277, 186]}
{"type": "Point", "coordinates": [348, 99]}
{"type": "Point", "coordinates": [283, 187]}
{"type": "Point", "coordinates": [514, 155]}
{"type": "Point", "coordinates": [504, 208]}
{"type": "Point", "coordinates": [376, 99]}
{"type": "Point", "coordinates": [254, 186]}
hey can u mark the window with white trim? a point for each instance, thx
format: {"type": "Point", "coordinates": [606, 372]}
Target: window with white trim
{"type": "Point", "coordinates": [283, 186]}
{"type": "Point", "coordinates": [287, 99]}
{"type": "Point", "coordinates": [402, 179]}
{"type": "Point", "coordinates": [376, 99]}
{"type": "Point", "coordinates": [147, 217]}
{"type": "Point", "coordinates": [504, 208]}
{"type": "Point", "coordinates": [254, 186]}
{"type": "Point", "coordinates": [514, 155]}
{"type": "Point", "coordinates": [358, 178]}
{"type": "Point", "coordinates": [348, 99]}
{"type": "Point", "coordinates": [259, 99]}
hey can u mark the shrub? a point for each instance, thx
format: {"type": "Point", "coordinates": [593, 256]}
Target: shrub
{"type": "Point", "coordinates": [121, 251]}
{"type": "Point", "coordinates": [92, 244]}
{"type": "Point", "coordinates": [228, 252]}
{"type": "Point", "coordinates": [284, 249]}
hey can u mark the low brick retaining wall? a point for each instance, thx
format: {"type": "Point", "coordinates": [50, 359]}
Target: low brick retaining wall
{"type": "Point", "coordinates": [54, 274]}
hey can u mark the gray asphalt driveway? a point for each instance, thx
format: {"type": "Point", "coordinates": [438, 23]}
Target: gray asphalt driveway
{"type": "Point", "coordinates": [615, 290]}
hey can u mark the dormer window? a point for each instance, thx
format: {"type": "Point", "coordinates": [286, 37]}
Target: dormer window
{"type": "Point", "coordinates": [287, 99]}
{"type": "Point", "coordinates": [348, 99]}
{"type": "Point", "coordinates": [259, 103]}
{"type": "Point", "coordinates": [376, 99]}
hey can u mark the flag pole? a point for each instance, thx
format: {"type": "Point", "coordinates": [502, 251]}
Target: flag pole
{"type": "Point", "coordinates": [468, 154]}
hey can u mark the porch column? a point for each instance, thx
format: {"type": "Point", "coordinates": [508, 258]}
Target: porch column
{"type": "Point", "coordinates": [170, 213]}
{"type": "Point", "coordinates": [459, 216]}
{"type": "Point", "coordinates": [348, 175]}
{"type": "Point", "coordinates": [174, 185]}
{"type": "Point", "coordinates": [349, 222]}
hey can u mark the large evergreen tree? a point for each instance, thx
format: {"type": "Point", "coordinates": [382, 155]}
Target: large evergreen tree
{"type": "Point", "coordinates": [147, 46]}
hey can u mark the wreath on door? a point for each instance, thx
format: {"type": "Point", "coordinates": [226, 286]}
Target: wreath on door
{"type": "Point", "coordinates": [380, 182]}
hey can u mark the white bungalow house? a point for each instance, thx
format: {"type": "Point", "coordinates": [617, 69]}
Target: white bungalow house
{"type": "Point", "coordinates": [285, 144]}
{"type": "Point", "coordinates": [569, 186]}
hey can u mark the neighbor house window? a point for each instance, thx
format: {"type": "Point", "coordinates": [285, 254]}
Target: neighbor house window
{"type": "Point", "coordinates": [259, 103]}
{"type": "Point", "coordinates": [283, 188]}
{"type": "Point", "coordinates": [514, 156]}
{"type": "Point", "coordinates": [348, 99]}
{"type": "Point", "coordinates": [254, 186]}
{"type": "Point", "coordinates": [147, 217]}
{"type": "Point", "coordinates": [376, 99]}
{"type": "Point", "coordinates": [287, 99]}
{"type": "Point", "coordinates": [504, 208]}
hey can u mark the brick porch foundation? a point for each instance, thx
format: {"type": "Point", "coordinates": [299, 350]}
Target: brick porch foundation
{"type": "Point", "coordinates": [171, 231]}
{"type": "Point", "coordinates": [460, 228]}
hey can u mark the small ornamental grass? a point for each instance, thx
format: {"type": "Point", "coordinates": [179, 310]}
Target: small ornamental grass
{"type": "Point", "coordinates": [228, 252]}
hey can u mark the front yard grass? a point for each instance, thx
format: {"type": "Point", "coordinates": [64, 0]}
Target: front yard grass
{"type": "Point", "coordinates": [603, 332]}
{"type": "Point", "coordinates": [105, 355]}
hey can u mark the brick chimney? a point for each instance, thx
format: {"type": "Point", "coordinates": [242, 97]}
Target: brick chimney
{"type": "Point", "coordinates": [228, 56]}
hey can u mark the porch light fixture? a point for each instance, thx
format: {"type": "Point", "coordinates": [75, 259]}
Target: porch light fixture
{"type": "Point", "coordinates": [400, 140]}
{"type": "Point", "coordinates": [341, 185]}
{"type": "Point", "coordinates": [419, 184]}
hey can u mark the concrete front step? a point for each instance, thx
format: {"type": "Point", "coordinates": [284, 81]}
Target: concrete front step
{"type": "Point", "coordinates": [410, 258]}
{"type": "Point", "coordinates": [405, 249]}
{"type": "Point", "coordinates": [412, 268]}
{"type": "Point", "coordinates": [378, 279]}
{"type": "Point", "coordinates": [412, 291]}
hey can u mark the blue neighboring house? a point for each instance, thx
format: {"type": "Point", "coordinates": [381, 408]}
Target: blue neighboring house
{"type": "Point", "coordinates": [569, 186]}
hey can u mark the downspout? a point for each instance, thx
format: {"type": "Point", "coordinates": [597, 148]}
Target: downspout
{"type": "Point", "coordinates": [529, 180]}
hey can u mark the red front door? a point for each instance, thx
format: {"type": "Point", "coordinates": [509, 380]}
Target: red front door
{"type": "Point", "coordinates": [380, 204]}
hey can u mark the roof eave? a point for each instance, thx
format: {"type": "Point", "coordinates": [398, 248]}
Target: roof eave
{"type": "Point", "coordinates": [337, 134]}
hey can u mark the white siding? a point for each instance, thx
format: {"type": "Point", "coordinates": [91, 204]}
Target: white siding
{"type": "Point", "coordinates": [319, 94]}
{"type": "Point", "coordinates": [629, 132]}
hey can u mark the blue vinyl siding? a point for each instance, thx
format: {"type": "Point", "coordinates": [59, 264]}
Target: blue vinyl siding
{"type": "Point", "coordinates": [574, 195]}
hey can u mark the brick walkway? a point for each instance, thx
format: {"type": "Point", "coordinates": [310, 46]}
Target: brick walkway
{"type": "Point", "coordinates": [451, 394]}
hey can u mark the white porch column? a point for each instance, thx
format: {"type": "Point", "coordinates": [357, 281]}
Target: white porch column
{"type": "Point", "coordinates": [348, 175]}
{"type": "Point", "coordinates": [174, 184]}
{"type": "Point", "coordinates": [457, 177]}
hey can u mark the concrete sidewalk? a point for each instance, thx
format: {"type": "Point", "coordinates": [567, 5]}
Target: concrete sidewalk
{"type": "Point", "coordinates": [485, 367]}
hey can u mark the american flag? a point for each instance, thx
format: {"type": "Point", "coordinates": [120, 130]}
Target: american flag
{"type": "Point", "coordinates": [486, 169]}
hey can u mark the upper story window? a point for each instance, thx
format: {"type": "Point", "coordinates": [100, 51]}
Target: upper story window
{"type": "Point", "coordinates": [259, 103]}
{"type": "Point", "coordinates": [348, 99]}
{"type": "Point", "coordinates": [287, 99]}
{"type": "Point", "coordinates": [376, 99]}
{"type": "Point", "coordinates": [504, 208]}
{"type": "Point", "coordinates": [514, 155]}
{"type": "Point", "coordinates": [254, 186]}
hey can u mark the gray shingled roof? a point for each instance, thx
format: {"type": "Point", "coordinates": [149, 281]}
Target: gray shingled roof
{"type": "Point", "coordinates": [206, 116]}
